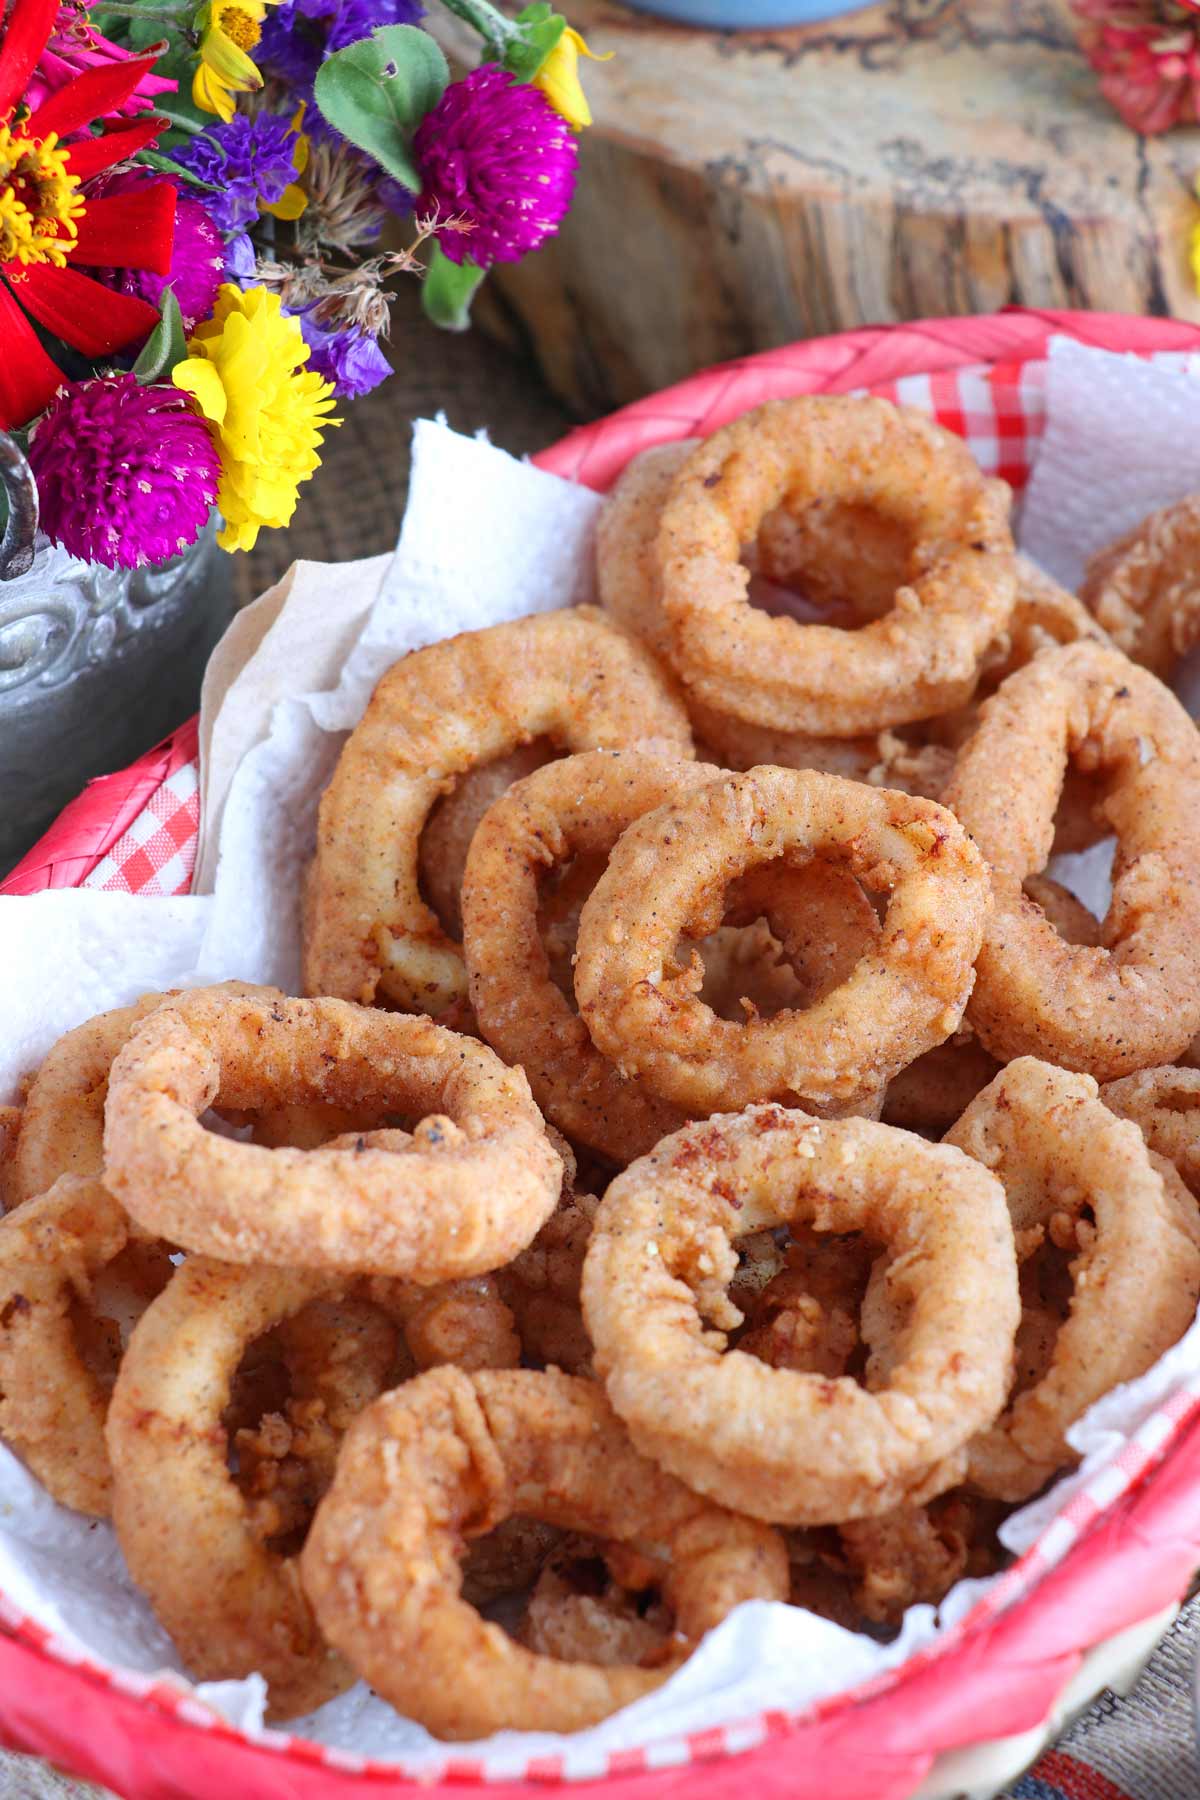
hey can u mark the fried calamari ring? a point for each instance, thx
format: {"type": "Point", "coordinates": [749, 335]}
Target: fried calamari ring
{"type": "Point", "coordinates": [232, 1605]}
{"type": "Point", "coordinates": [1165, 1106]}
{"type": "Point", "coordinates": [1082, 1179]}
{"type": "Point", "coordinates": [577, 807]}
{"type": "Point", "coordinates": [461, 1195]}
{"type": "Point", "coordinates": [10, 1131]}
{"type": "Point", "coordinates": [923, 656]}
{"type": "Point", "coordinates": [446, 839]}
{"type": "Point", "coordinates": [937, 1088]}
{"type": "Point", "coordinates": [444, 1459]}
{"type": "Point", "coordinates": [231, 1599]}
{"type": "Point", "coordinates": [845, 558]}
{"type": "Point", "coordinates": [62, 1131]}
{"type": "Point", "coordinates": [1133, 1000]}
{"type": "Point", "coordinates": [801, 1448]}
{"type": "Point", "coordinates": [671, 868]}
{"type": "Point", "coordinates": [629, 582]}
{"type": "Point", "coordinates": [1145, 588]}
{"type": "Point", "coordinates": [568, 676]}
{"type": "Point", "coordinates": [53, 1396]}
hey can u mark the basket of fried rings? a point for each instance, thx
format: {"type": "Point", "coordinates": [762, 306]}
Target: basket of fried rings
{"type": "Point", "coordinates": [748, 1162]}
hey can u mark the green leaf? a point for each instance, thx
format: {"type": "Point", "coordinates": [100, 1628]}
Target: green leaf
{"type": "Point", "coordinates": [538, 29]}
{"type": "Point", "coordinates": [166, 344]}
{"type": "Point", "coordinates": [154, 159]}
{"type": "Point", "coordinates": [526, 54]}
{"type": "Point", "coordinates": [376, 91]}
{"type": "Point", "coordinates": [448, 290]}
{"type": "Point", "coordinates": [143, 32]}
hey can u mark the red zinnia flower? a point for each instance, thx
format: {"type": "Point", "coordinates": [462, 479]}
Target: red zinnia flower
{"type": "Point", "coordinates": [49, 226]}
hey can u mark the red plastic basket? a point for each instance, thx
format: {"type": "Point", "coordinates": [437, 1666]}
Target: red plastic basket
{"type": "Point", "coordinates": [1121, 1552]}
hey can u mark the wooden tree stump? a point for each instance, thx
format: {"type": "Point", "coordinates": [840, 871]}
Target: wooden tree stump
{"type": "Point", "coordinates": [737, 192]}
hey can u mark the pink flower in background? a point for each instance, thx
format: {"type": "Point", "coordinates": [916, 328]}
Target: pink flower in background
{"type": "Point", "coordinates": [74, 46]}
{"type": "Point", "coordinates": [1147, 55]}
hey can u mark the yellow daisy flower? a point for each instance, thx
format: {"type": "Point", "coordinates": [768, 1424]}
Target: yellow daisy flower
{"type": "Point", "coordinates": [245, 370]}
{"type": "Point", "coordinates": [228, 35]}
{"type": "Point", "coordinates": [558, 79]}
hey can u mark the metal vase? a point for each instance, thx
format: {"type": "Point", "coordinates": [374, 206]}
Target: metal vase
{"type": "Point", "coordinates": [96, 664]}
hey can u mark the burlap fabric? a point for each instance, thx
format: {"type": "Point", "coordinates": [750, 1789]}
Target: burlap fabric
{"type": "Point", "coordinates": [1139, 1748]}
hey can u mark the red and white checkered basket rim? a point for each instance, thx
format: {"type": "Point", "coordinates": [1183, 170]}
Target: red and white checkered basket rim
{"type": "Point", "coordinates": [879, 1740]}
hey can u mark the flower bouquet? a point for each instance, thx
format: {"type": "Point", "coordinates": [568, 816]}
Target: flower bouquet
{"type": "Point", "coordinates": [191, 198]}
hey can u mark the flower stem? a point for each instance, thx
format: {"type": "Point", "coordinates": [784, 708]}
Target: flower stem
{"type": "Point", "coordinates": [180, 121]}
{"type": "Point", "coordinates": [496, 31]}
{"type": "Point", "coordinates": [134, 9]}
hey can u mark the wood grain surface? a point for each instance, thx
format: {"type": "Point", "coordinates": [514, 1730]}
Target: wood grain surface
{"type": "Point", "coordinates": [929, 156]}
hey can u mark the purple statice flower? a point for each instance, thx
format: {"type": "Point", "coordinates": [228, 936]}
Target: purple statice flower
{"type": "Point", "coordinates": [350, 358]}
{"type": "Point", "coordinates": [241, 264]}
{"type": "Point", "coordinates": [197, 257]}
{"type": "Point", "coordinates": [298, 35]}
{"type": "Point", "coordinates": [250, 161]}
{"type": "Point", "coordinates": [494, 152]}
{"type": "Point", "coordinates": [291, 48]}
{"type": "Point", "coordinates": [350, 20]}
{"type": "Point", "coordinates": [126, 474]}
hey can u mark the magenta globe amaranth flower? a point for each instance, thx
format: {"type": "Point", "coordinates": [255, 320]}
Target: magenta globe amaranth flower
{"type": "Point", "coordinates": [197, 255]}
{"type": "Point", "coordinates": [126, 474]}
{"type": "Point", "coordinates": [494, 153]}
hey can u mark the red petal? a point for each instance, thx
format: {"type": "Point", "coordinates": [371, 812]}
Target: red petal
{"type": "Point", "coordinates": [94, 155]}
{"type": "Point", "coordinates": [129, 231]}
{"type": "Point", "coordinates": [85, 315]}
{"type": "Point", "coordinates": [27, 376]}
{"type": "Point", "coordinates": [22, 41]}
{"type": "Point", "coordinates": [97, 91]}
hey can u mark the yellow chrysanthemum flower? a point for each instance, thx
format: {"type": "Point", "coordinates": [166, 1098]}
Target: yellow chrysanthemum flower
{"type": "Point", "coordinates": [226, 68]}
{"type": "Point", "coordinates": [558, 79]}
{"type": "Point", "coordinates": [245, 370]}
